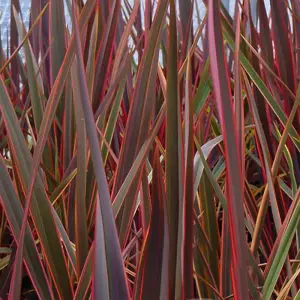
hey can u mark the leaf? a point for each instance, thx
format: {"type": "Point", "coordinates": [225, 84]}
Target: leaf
{"type": "Point", "coordinates": [15, 5]}
{"type": "Point", "coordinates": [58, 46]}
{"type": "Point", "coordinates": [277, 263]}
{"type": "Point", "coordinates": [16, 278]}
{"type": "Point", "coordinates": [265, 153]}
{"type": "Point", "coordinates": [151, 259]}
{"type": "Point", "coordinates": [112, 120]}
{"type": "Point", "coordinates": [173, 158]}
{"type": "Point", "coordinates": [109, 280]}
{"type": "Point", "coordinates": [188, 209]}
{"type": "Point", "coordinates": [233, 169]}
{"type": "Point", "coordinates": [210, 175]}
{"type": "Point", "coordinates": [86, 276]}
{"type": "Point", "coordinates": [260, 85]}
{"type": "Point", "coordinates": [275, 166]}
{"type": "Point", "coordinates": [204, 89]}
{"type": "Point", "coordinates": [41, 210]}
{"type": "Point", "coordinates": [32, 70]}
{"type": "Point", "coordinates": [81, 232]}
{"type": "Point", "coordinates": [118, 200]}
{"type": "Point", "coordinates": [186, 17]}
{"type": "Point", "coordinates": [198, 165]}
{"type": "Point", "coordinates": [104, 53]}
{"type": "Point", "coordinates": [140, 113]}
{"type": "Point", "coordinates": [14, 213]}
{"type": "Point", "coordinates": [285, 291]}
{"type": "Point", "coordinates": [35, 88]}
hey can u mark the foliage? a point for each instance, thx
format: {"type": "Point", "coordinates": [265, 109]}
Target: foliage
{"type": "Point", "coordinates": [150, 151]}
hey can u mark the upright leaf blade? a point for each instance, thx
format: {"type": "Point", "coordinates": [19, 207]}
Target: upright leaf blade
{"type": "Point", "coordinates": [172, 153]}
{"type": "Point", "coordinates": [151, 261]}
{"type": "Point", "coordinates": [224, 105]}
{"type": "Point", "coordinates": [109, 280]}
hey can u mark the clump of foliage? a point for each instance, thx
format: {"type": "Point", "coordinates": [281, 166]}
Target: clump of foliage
{"type": "Point", "coordinates": [151, 151]}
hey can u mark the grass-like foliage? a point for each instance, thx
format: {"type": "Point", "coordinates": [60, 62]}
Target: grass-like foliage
{"type": "Point", "coordinates": [150, 151]}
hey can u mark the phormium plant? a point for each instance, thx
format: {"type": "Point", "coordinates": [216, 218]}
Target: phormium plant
{"type": "Point", "coordinates": [150, 150]}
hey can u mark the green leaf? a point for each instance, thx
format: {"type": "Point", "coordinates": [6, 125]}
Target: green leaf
{"type": "Point", "coordinates": [283, 249]}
